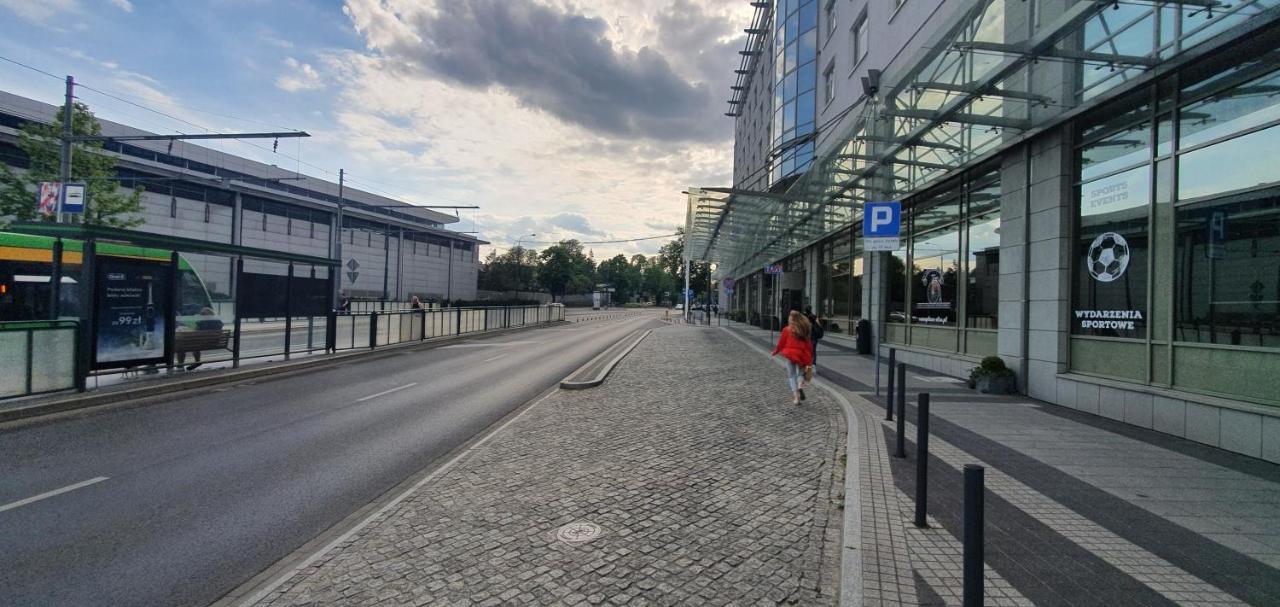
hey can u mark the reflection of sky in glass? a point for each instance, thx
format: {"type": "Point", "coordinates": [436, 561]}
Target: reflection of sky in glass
{"type": "Point", "coordinates": [983, 234]}
{"type": "Point", "coordinates": [1128, 190]}
{"type": "Point", "coordinates": [1232, 111]}
{"type": "Point", "coordinates": [1242, 162]}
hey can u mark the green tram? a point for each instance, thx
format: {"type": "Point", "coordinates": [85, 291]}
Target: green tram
{"type": "Point", "coordinates": [26, 266]}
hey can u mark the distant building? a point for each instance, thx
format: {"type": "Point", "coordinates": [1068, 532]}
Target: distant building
{"type": "Point", "coordinates": [1088, 191]}
{"type": "Point", "coordinates": [398, 250]}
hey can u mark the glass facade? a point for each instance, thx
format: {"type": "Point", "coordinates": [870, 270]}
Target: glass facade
{"type": "Point", "coordinates": [953, 251]}
{"type": "Point", "coordinates": [1177, 261]}
{"type": "Point", "coordinates": [795, 86]}
{"type": "Point", "coordinates": [840, 277]}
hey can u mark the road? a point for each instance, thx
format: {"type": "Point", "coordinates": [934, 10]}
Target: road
{"type": "Point", "coordinates": [178, 503]}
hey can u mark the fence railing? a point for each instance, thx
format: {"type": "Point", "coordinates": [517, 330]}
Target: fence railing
{"type": "Point", "coordinates": [39, 356]}
{"type": "Point", "coordinates": [352, 330]}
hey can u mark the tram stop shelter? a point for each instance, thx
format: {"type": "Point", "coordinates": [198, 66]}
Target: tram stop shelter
{"type": "Point", "coordinates": [86, 300]}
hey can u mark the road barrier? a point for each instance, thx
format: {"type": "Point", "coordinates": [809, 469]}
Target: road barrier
{"type": "Point", "coordinates": [922, 460]}
{"type": "Point", "coordinates": [902, 409]}
{"type": "Point", "coordinates": [373, 329]}
{"type": "Point", "coordinates": [974, 549]}
{"type": "Point", "coordinates": [888, 403]}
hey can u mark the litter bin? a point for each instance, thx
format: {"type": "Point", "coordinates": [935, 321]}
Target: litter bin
{"type": "Point", "coordinates": [862, 336]}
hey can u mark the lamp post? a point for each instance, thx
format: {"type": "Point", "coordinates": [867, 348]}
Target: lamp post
{"type": "Point", "coordinates": [520, 262]}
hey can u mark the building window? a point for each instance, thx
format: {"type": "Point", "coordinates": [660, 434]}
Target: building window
{"type": "Point", "coordinates": [860, 39]}
{"type": "Point", "coordinates": [173, 206]}
{"type": "Point", "coordinates": [935, 261]}
{"type": "Point", "coordinates": [1228, 271]}
{"type": "Point", "coordinates": [982, 268]}
{"type": "Point", "coordinates": [829, 83]}
{"type": "Point", "coordinates": [207, 212]}
{"type": "Point", "coordinates": [829, 13]}
{"type": "Point", "coordinates": [1112, 232]}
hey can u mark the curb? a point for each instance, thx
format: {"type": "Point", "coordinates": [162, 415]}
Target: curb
{"type": "Point", "coordinates": [569, 384]}
{"type": "Point", "coordinates": [89, 401]}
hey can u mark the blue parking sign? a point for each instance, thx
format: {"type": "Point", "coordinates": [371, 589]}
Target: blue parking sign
{"type": "Point", "coordinates": [882, 226]}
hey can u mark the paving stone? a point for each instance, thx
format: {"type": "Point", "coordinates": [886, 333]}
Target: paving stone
{"type": "Point", "coordinates": [710, 488]}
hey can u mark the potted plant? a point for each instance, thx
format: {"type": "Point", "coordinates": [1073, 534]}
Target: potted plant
{"type": "Point", "coordinates": [992, 377]}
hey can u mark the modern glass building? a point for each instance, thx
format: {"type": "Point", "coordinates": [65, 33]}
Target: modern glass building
{"type": "Point", "coordinates": [1088, 192]}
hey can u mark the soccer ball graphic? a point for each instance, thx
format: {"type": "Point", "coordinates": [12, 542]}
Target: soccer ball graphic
{"type": "Point", "coordinates": [1108, 257]}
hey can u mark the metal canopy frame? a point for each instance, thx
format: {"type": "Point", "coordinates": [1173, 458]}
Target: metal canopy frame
{"type": "Point", "coordinates": [977, 88]}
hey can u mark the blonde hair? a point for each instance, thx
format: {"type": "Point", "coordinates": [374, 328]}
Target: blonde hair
{"type": "Point", "coordinates": [798, 324]}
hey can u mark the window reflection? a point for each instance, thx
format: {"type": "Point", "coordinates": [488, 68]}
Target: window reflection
{"type": "Point", "coordinates": [1228, 271]}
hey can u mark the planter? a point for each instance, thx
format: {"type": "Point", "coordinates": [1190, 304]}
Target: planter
{"type": "Point", "coordinates": [997, 384]}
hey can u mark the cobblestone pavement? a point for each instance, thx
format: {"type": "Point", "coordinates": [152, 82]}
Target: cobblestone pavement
{"type": "Point", "coordinates": [1080, 510]}
{"type": "Point", "coordinates": [708, 486]}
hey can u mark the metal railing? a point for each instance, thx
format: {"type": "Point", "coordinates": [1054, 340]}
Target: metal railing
{"type": "Point", "coordinates": [353, 330]}
{"type": "Point", "coordinates": [39, 356]}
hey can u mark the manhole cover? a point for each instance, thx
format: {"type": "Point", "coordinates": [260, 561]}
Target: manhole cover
{"type": "Point", "coordinates": [580, 532]}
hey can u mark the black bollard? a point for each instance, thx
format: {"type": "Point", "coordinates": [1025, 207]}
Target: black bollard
{"type": "Point", "coordinates": [973, 535]}
{"type": "Point", "coordinates": [922, 459]}
{"type": "Point", "coordinates": [888, 403]}
{"type": "Point", "coordinates": [902, 410]}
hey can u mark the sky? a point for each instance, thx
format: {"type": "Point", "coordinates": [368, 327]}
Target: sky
{"type": "Point", "coordinates": [566, 119]}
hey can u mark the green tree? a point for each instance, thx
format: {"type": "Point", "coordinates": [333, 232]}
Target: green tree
{"type": "Point", "coordinates": [106, 203]}
{"type": "Point", "coordinates": [514, 270]}
{"type": "Point", "coordinates": [564, 268]}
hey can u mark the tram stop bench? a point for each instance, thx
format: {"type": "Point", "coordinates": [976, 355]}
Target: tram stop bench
{"type": "Point", "coordinates": [200, 340]}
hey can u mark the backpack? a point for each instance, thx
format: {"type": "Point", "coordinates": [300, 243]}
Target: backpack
{"type": "Point", "coordinates": [817, 331]}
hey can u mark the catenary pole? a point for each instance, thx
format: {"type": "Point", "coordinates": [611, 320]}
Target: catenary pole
{"type": "Point", "coordinates": [337, 243]}
{"type": "Point", "coordinates": [64, 164]}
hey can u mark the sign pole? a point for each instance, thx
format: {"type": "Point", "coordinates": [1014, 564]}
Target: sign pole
{"type": "Point", "coordinates": [64, 165]}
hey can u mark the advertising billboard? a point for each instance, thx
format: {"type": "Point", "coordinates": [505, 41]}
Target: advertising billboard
{"type": "Point", "coordinates": [132, 311]}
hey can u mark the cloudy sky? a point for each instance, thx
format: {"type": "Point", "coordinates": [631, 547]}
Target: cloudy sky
{"type": "Point", "coordinates": [566, 118]}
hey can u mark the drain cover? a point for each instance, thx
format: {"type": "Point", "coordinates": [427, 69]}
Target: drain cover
{"type": "Point", "coordinates": [579, 532]}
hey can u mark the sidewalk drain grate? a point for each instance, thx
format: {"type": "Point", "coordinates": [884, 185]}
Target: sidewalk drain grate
{"type": "Point", "coordinates": [579, 532]}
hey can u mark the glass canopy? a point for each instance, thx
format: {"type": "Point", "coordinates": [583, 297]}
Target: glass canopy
{"type": "Point", "coordinates": [1005, 70]}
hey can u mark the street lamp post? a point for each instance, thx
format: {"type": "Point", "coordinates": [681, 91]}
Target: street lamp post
{"type": "Point", "coordinates": [520, 262]}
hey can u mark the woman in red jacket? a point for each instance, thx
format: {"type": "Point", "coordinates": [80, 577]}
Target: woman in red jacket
{"type": "Point", "coordinates": [794, 345]}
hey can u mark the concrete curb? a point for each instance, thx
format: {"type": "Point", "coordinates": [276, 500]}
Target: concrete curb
{"type": "Point", "coordinates": [91, 400]}
{"type": "Point", "coordinates": [597, 379]}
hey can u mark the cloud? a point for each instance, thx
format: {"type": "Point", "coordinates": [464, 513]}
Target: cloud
{"type": "Point", "coordinates": [298, 77]}
{"type": "Point", "coordinates": [550, 59]}
{"type": "Point", "coordinates": [123, 5]}
{"type": "Point", "coordinates": [40, 11]}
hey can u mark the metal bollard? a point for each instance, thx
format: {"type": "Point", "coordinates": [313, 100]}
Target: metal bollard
{"type": "Point", "coordinates": [888, 404]}
{"type": "Point", "coordinates": [922, 460]}
{"type": "Point", "coordinates": [974, 516]}
{"type": "Point", "coordinates": [902, 411]}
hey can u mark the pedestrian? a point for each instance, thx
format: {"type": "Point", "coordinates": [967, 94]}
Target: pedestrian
{"type": "Point", "coordinates": [344, 304]}
{"type": "Point", "coordinates": [794, 345]}
{"type": "Point", "coordinates": [816, 332]}
{"type": "Point", "coordinates": [416, 303]}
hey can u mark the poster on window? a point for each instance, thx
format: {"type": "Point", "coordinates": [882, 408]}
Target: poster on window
{"type": "Point", "coordinates": [934, 305]}
{"type": "Point", "coordinates": [132, 312]}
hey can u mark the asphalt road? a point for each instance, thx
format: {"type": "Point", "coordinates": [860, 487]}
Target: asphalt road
{"type": "Point", "coordinates": [203, 492]}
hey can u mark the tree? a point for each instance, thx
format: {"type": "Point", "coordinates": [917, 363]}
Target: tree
{"type": "Point", "coordinates": [563, 268]}
{"type": "Point", "coordinates": [514, 270]}
{"type": "Point", "coordinates": [106, 204]}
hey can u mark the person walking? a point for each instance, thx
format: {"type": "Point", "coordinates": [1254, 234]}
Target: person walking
{"type": "Point", "coordinates": [794, 345]}
{"type": "Point", "coordinates": [416, 304]}
{"type": "Point", "coordinates": [815, 331]}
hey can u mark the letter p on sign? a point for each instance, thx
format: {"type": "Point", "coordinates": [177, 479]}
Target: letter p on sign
{"type": "Point", "coordinates": [882, 225]}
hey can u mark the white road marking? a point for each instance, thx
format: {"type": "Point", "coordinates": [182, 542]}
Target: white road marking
{"type": "Point", "coordinates": [493, 358]}
{"type": "Point", "coordinates": [386, 392]}
{"type": "Point", "coordinates": [48, 494]}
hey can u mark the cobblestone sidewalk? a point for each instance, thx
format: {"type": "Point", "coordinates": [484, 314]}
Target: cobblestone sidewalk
{"type": "Point", "coordinates": [708, 487]}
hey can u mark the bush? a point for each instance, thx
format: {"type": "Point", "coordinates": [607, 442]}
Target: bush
{"type": "Point", "coordinates": [991, 366]}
